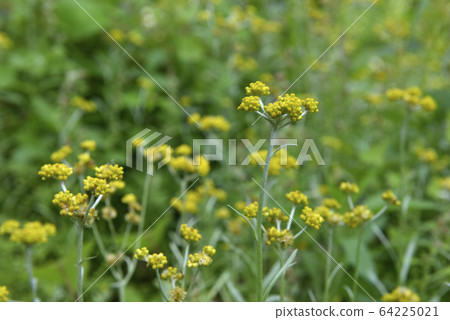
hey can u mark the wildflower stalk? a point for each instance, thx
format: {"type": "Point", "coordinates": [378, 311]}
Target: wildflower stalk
{"type": "Point", "coordinates": [403, 137]}
{"type": "Point", "coordinates": [32, 279]}
{"type": "Point", "coordinates": [282, 278]}
{"type": "Point", "coordinates": [80, 230]}
{"type": "Point", "coordinates": [326, 294]}
{"type": "Point", "coordinates": [259, 217]}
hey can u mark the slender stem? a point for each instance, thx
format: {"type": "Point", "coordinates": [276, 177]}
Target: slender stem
{"type": "Point", "coordinates": [282, 278]}
{"type": "Point", "coordinates": [291, 217]}
{"type": "Point", "coordinates": [403, 138]}
{"type": "Point", "coordinates": [31, 278]}
{"type": "Point", "coordinates": [326, 294]}
{"type": "Point", "coordinates": [350, 202]}
{"type": "Point", "coordinates": [358, 253]}
{"type": "Point", "coordinates": [163, 294]}
{"type": "Point", "coordinates": [80, 229]}
{"type": "Point", "coordinates": [261, 204]}
{"type": "Point", "coordinates": [186, 256]}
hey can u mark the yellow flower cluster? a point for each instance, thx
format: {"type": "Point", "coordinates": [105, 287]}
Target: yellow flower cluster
{"type": "Point", "coordinates": [199, 165]}
{"type": "Point", "coordinates": [257, 89]}
{"type": "Point", "coordinates": [177, 294]}
{"type": "Point", "coordinates": [250, 104]}
{"type": "Point", "coordinates": [31, 233]}
{"type": "Point", "coordinates": [156, 260]}
{"type": "Point", "coordinates": [401, 294]}
{"type": "Point", "coordinates": [89, 145]}
{"type": "Point", "coordinates": [209, 122]}
{"type": "Point", "coordinates": [251, 210]}
{"type": "Point", "coordinates": [284, 236]}
{"type": "Point", "coordinates": [333, 218]}
{"type": "Point", "coordinates": [61, 153]}
{"type": "Point", "coordinates": [83, 104]}
{"type": "Point", "coordinates": [133, 36]}
{"type": "Point", "coordinates": [349, 187]}
{"type": "Point", "coordinates": [274, 214]}
{"type": "Point", "coordinates": [4, 293]}
{"type": "Point", "coordinates": [222, 213]}
{"type": "Point", "coordinates": [281, 160]}
{"type": "Point", "coordinates": [183, 150]}
{"type": "Point", "coordinates": [84, 162]}
{"type": "Point", "coordinates": [291, 106]}
{"type": "Point", "coordinates": [162, 152]}
{"type": "Point", "coordinates": [69, 203]}
{"type": "Point", "coordinates": [412, 96]}
{"type": "Point", "coordinates": [189, 233]}
{"type": "Point", "coordinates": [131, 200]}
{"type": "Point", "coordinates": [189, 204]}
{"type": "Point", "coordinates": [141, 253]}
{"type": "Point", "coordinates": [96, 185]}
{"type": "Point", "coordinates": [172, 273]}
{"type": "Point", "coordinates": [9, 226]}
{"type": "Point", "coordinates": [357, 216]}
{"type": "Point", "coordinates": [109, 172]}
{"type": "Point", "coordinates": [199, 259]}
{"type": "Point", "coordinates": [297, 197]}
{"type": "Point", "coordinates": [390, 197]}
{"type": "Point", "coordinates": [331, 203]}
{"type": "Point", "coordinates": [311, 218]}
{"type": "Point", "coordinates": [428, 155]}
{"type": "Point", "coordinates": [58, 171]}
{"type": "Point", "coordinates": [208, 189]}
{"type": "Point", "coordinates": [310, 105]}
{"type": "Point", "coordinates": [209, 250]}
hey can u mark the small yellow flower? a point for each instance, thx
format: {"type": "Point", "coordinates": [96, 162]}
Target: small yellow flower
{"type": "Point", "coordinates": [141, 254]}
{"type": "Point", "coordinates": [357, 216]}
{"type": "Point", "coordinates": [257, 89]}
{"type": "Point", "coordinates": [96, 185]}
{"type": "Point", "coordinates": [202, 165]}
{"type": "Point", "coordinates": [89, 145]}
{"type": "Point", "coordinates": [250, 104]}
{"type": "Point", "coordinates": [9, 226]}
{"type": "Point", "coordinates": [251, 210]}
{"type": "Point", "coordinates": [194, 119]}
{"type": "Point", "coordinates": [33, 233]}
{"type": "Point", "coordinates": [311, 218]}
{"type": "Point", "coordinates": [109, 172]}
{"type": "Point", "coordinates": [401, 294]}
{"type": "Point", "coordinates": [428, 104]}
{"type": "Point", "coordinates": [61, 154]}
{"type": "Point", "coordinates": [394, 94]}
{"type": "Point", "coordinates": [297, 197]}
{"type": "Point", "coordinates": [83, 104]}
{"type": "Point", "coordinates": [214, 122]}
{"type": "Point", "coordinates": [189, 233]}
{"type": "Point", "coordinates": [310, 105]}
{"type": "Point", "coordinates": [282, 236]}
{"type": "Point", "coordinates": [390, 198]}
{"type": "Point", "coordinates": [57, 171]}
{"type": "Point", "coordinates": [349, 187]}
{"type": "Point", "coordinates": [172, 273]}
{"type": "Point", "coordinates": [274, 214]}
{"type": "Point", "coordinates": [331, 203]}
{"type": "Point", "coordinates": [177, 294]}
{"type": "Point", "coordinates": [199, 259]}
{"type": "Point", "coordinates": [156, 260]}
{"type": "Point", "coordinates": [209, 250]}
{"type": "Point", "coordinates": [183, 150]}
{"type": "Point", "coordinates": [4, 293]}
{"type": "Point", "coordinates": [117, 34]}
{"type": "Point", "coordinates": [222, 213]}
{"type": "Point", "coordinates": [133, 218]}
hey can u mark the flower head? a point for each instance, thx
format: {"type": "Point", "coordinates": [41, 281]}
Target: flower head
{"type": "Point", "coordinates": [109, 172]}
{"type": "Point", "coordinates": [61, 154]}
{"type": "Point", "coordinates": [390, 198]}
{"type": "Point", "coordinates": [331, 203]}
{"type": "Point", "coordinates": [4, 293]}
{"type": "Point", "coordinates": [9, 226]}
{"type": "Point", "coordinates": [141, 253]}
{"type": "Point", "coordinates": [251, 210]}
{"type": "Point", "coordinates": [257, 89]}
{"type": "Point", "coordinates": [172, 273]}
{"type": "Point", "coordinates": [199, 259]}
{"type": "Point", "coordinates": [89, 145]}
{"type": "Point", "coordinates": [177, 294]}
{"type": "Point", "coordinates": [349, 187]}
{"type": "Point", "coordinates": [96, 185]}
{"type": "Point", "coordinates": [311, 218]}
{"type": "Point", "coordinates": [209, 250]}
{"type": "Point", "coordinates": [357, 216]}
{"type": "Point", "coordinates": [297, 197]}
{"type": "Point", "coordinates": [190, 233]}
{"type": "Point", "coordinates": [33, 233]}
{"type": "Point", "coordinates": [57, 171]}
{"type": "Point", "coordinates": [251, 103]}
{"type": "Point", "coordinates": [401, 294]}
{"type": "Point", "coordinates": [274, 214]}
{"type": "Point", "coordinates": [156, 260]}
{"type": "Point", "coordinates": [284, 237]}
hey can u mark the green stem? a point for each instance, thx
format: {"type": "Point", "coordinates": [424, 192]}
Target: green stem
{"type": "Point", "coordinates": [403, 138]}
{"type": "Point", "coordinates": [261, 204]}
{"type": "Point", "coordinates": [326, 294]}
{"type": "Point", "coordinates": [80, 229]}
{"type": "Point", "coordinates": [358, 253]}
{"type": "Point", "coordinates": [282, 278]}
{"type": "Point", "coordinates": [31, 278]}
